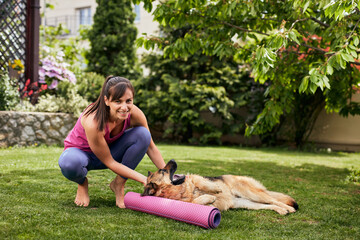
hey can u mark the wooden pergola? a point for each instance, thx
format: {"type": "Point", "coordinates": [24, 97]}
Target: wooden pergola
{"type": "Point", "coordinates": [19, 36]}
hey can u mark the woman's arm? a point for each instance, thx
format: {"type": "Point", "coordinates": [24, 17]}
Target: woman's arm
{"type": "Point", "coordinates": [101, 149]}
{"type": "Point", "coordinates": [138, 119]}
{"type": "Point", "coordinates": [155, 155]}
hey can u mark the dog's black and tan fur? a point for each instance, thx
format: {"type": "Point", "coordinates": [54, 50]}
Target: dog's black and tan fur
{"type": "Point", "coordinates": [224, 192]}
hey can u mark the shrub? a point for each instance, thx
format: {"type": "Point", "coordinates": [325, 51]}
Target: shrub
{"type": "Point", "coordinates": [89, 85]}
{"type": "Point", "coordinates": [112, 40]}
{"type": "Point", "coordinates": [71, 103]}
{"type": "Point", "coordinates": [354, 176]}
{"type": "Point", "coordinates": [198, 99]}
{"type": "Point", "coordinates": [9, 95]}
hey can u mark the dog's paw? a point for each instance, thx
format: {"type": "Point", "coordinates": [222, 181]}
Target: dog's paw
{"type": "Point", "coordinates": [291, 210]}
{"type": "Point", "coordinates": [212, 200]}
{"type": "Point", "coordinates": [216, 189]}
{"type": "Point", "coordinates": [281, 211]}
{"type": "Point", "coordinates": [205, 199]}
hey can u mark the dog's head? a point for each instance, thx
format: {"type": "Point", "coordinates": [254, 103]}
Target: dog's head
{"type": "Point", "coordinates": [162, 178]}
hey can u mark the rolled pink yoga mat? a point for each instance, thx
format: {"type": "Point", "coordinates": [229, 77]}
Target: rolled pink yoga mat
{"type": "Point", "coordinates": [200, 215]}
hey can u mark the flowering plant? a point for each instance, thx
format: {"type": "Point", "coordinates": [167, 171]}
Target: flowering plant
{"type": "Point", "coordinates": [53, 69]}
{"type": "Point", "coordinates": [17, 65]}
{"type": "Point", "coordinates": [32, 90]}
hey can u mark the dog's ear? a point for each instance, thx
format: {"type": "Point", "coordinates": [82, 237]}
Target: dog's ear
{"type": "Point", "coordinates": [148, 192]}
{"type": "Point", "coordinates": [178, 179]}
{"type": "Point", "coordinates": [149, 173]}
{"type": "Point", "coordinates": [171, 165]}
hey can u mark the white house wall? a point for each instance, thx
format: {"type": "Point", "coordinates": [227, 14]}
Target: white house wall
{"type": "Point", "coordinates": [69, 7]}
{"type": "Point", "coordinates": [336, 132]}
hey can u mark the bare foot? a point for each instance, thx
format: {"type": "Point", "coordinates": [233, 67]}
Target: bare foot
{"type": "Point", "coordinates": [118, 187]}
{"type": "Point", "coordinates": [82, 196]}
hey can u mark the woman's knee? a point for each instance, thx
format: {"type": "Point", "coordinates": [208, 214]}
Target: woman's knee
{"type": "Point", "coordinates": [73, 164]}
{"type": "Point", "coordinates": [142, 135]}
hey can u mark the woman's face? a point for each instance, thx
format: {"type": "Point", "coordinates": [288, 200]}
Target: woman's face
{"type": "Point", "coordinates": [120, 108]}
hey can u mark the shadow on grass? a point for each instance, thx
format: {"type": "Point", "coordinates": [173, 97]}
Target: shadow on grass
{"type": "Point", "coordinates": [328, 205]}
{"type": "Point", "coordinates": [39, 183]}
{"type": "Point", "coordinates": [284, 151]}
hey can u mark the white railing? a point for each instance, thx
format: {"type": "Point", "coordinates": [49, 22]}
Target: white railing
{"type": "Point", "coordinates": [70, 22]}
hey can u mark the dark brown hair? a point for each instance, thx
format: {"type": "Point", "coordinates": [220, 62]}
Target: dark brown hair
{"type": "Point", "coordinates": [113, 88]}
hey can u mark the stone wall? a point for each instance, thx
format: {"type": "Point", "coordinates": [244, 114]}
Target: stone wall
{"type": "Point", "coordinates": [29, 128]}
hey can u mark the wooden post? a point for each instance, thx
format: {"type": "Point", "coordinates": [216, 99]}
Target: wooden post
{"type": "Point", "coordinates": [32, 40]}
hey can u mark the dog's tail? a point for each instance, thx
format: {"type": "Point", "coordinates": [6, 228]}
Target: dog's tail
{"type": "Point", "coordinates": [284, 199]}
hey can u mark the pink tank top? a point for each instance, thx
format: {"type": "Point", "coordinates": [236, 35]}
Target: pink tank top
{"type": "Point", "coordinates": [77, 137]}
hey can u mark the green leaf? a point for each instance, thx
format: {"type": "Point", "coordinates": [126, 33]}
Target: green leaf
{"type": "Point", "coordinates": [147, 44]}
{"type": "Point", "coordinates": [293, 37]}
{"type": "Point", "coordinates": [332, 61]}
{"type": "Point", "coordinates": [269, 55]}
{"type": "Point", "coordinates": [312, 71]}
{"type": "Point", "coordinates": [217, 49]}
{"type": "Point", "coordinates": [313, 87]}
{"type": "Point", "coordinates": [325, 80]}
{"type": "Point", "coordinates": [277, 42]}
{"type": "Point", "coordinates": [356, 40]}
{"type": "Point", "coordinates": [50, 6]}
{"type": "Point", "coordinates": [347, 57]}
{"type": "Point", "coordinates": [306, 6]}
{"type": "Point", "coordinates": [353, 53]}
{"type": "Point", "coordinates": [352, 47]}
{"type": "Point", "coordinates": [304, 84]}
{"type": "Point", "coordinates": [329, 69]}
{"type": "Point", "coordinates": [342, 63]}
{"type": "Point", "coordinates": [139, 42]}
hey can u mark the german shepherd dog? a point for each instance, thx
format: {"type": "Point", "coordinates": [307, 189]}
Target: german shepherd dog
{"type": "Point", "coordinates": [224, 192]}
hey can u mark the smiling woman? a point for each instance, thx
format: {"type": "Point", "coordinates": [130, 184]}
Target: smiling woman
{"type": "Point", "coordinates": [111, 133]}
{"type": "Point", "coordinates": [120, 108]}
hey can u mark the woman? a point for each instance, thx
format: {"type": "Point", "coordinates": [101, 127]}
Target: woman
{"type": "Point", "coordinates": [111, 133]}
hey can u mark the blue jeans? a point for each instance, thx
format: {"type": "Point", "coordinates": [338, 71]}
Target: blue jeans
{"type": "Point", "coordinates": [129, 150]}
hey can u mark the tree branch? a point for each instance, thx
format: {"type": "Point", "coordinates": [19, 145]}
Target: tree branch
{"type": "Point", "coordinates": [243, 29]}
{"type": "Point", "coordinates": [298, 20]}
{"type": "Point", "coordinates": [315, 48]}
{"type": "Point", "coordinates": [320, 22]}
{"type": "Point", "coordinates": [357, 23]}
{"type": "Point", "coordinates": [356, 63]}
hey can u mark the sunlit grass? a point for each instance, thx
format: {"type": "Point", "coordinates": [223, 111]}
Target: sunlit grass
{"type": "Point", "coordinates": [36, 201]}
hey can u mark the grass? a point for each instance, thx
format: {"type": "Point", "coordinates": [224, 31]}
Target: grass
{"type": "Point", "coordinates": [36, 201]}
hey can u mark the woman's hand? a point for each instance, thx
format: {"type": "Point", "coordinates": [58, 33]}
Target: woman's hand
{"type": "Point", "coordinates": [144, 182]}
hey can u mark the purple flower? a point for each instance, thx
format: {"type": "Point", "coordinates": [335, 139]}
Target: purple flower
{"type": "Point", "coordinates": [53, 69]}
{"type": "Point", "coordinates": [42, 75]}
{"type": "Point", "coordinates": [54, 75]}
{"type": "Point", "coordinates": [70, 76]}
{"type": "Point", "coordinates": [53, 84]}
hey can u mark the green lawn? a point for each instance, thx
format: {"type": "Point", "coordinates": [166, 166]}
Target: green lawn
{"type": "Point", "coordinates": [36, 201]}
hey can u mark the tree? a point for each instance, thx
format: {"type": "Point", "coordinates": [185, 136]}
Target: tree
{"type": "Point", "coordinates": [112, 40]}
{"type": "Point", "coordinates": [307, 50]}
{"type": "Point", "coordinates": [185, 94]}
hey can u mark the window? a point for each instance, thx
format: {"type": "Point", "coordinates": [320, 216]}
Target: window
{"type": "Point", "coordinates": [84, 15]}
{"type": "Point", "coordinates": [137, 11]}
